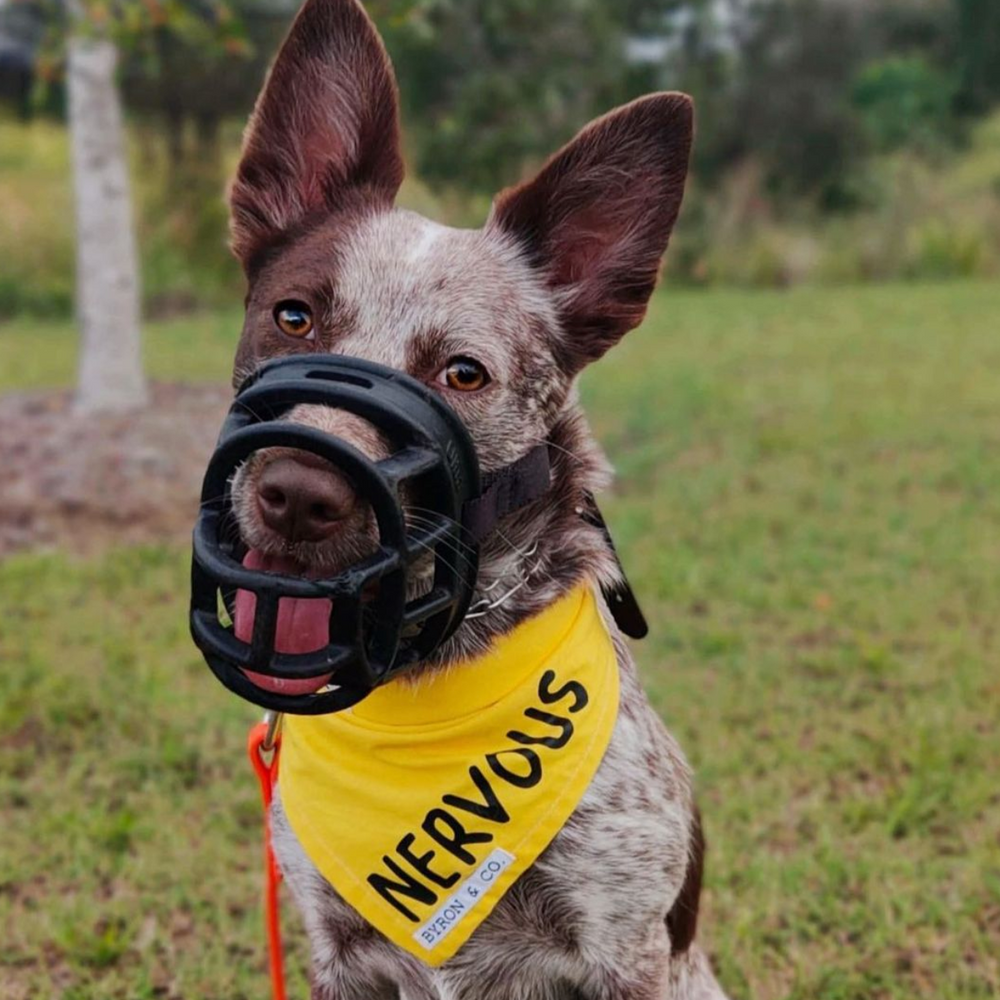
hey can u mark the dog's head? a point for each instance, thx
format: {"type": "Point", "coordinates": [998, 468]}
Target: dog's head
{"type": "Point", "coordinates": [499, 320]}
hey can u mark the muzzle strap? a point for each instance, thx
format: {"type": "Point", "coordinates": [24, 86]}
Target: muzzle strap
{"type": "Point", "coordinates": [515, 486]}
{"type": "Point", "coordinates": [506, 491]}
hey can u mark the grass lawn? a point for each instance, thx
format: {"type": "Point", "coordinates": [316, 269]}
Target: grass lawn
{"type": "Point", "coordinates": [41, 353]}
{"type": "Point", "coordinates": [809, 503]}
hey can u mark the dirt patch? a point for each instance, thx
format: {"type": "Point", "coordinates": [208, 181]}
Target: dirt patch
{"type": "Point", "coordinates": [84, 483]}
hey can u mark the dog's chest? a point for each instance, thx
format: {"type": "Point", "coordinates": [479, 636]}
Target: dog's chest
{"type": "Point", "coordinates": [589, 915]}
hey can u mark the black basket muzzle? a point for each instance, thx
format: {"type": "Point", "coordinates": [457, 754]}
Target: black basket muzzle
{"type": "Point", "coordinates": [376, 628]}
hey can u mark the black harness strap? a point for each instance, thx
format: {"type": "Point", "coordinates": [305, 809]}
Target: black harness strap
{"type": "Point", "coordinates": [620, 598]}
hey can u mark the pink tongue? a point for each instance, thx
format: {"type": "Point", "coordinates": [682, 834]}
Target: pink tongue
{"type": "Point", "coordinates": [303, 625]}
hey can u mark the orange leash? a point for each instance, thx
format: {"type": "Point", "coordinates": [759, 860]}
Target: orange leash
{"type": "Point", "coordinates": [263, 747]}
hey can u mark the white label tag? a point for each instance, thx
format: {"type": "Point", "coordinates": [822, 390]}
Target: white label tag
{"type": "Point", "coordinates": [465, 898]}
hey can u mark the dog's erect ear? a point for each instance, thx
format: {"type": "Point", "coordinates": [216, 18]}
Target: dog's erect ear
{"type": "Point", "coordinates": [325, 128]}
{"type": "Point", "coordinates": [597, 217]}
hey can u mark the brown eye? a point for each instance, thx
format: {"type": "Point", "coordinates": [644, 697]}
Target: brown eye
{"type": "Point", "coordinates": [465, 375]}
{"type": "Point", "coordinates": [294, 319]}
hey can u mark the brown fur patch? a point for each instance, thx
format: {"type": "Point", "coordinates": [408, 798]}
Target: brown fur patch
{"type": "Point", "coordinates": [682, 920]}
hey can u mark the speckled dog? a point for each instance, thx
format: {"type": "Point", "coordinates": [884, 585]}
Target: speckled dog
{"type": "Point", "coordinates": [501, 321]}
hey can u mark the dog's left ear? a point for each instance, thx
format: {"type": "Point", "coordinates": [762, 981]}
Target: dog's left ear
{"type": "Point", "coordinates": [597, 218]}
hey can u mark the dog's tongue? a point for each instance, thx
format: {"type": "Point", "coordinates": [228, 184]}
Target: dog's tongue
{"type": "Point", "coordinates": [303, 625]}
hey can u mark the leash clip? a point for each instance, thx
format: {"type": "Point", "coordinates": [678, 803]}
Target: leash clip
{"type": "Point", "coordinates": [272, 736]}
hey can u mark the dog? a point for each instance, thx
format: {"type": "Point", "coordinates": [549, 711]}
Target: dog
{"type": "Point", "coordinates": [500, 321]}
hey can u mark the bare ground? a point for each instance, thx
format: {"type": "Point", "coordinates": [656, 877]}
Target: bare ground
{"type": "Point", "coordinates": [83, 483]}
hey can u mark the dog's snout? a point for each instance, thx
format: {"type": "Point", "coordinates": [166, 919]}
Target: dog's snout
{"type": "Point", "coordinates": [303, 502]}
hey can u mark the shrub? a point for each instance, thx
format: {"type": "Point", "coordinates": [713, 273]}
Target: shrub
{"type": "Point", "coordinates": [939, 250]}
{"type": "Point", "coordinates": [904, 101]}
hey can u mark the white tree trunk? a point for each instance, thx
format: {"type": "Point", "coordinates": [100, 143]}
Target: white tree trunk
{"type": "Point", "coordinates": [107, 273]}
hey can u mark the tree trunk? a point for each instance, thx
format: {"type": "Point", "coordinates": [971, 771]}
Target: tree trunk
{"type": "Point", "coordinates": [107, 275]}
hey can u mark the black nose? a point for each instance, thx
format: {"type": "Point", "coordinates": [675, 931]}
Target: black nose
{"type": "Point", "coordinates": [301, 501]}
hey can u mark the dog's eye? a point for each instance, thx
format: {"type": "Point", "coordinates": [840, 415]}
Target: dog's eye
{"type": "Point", "coordinates": [294, 319]}
{"type": "Point", "coordinates": [464, 374]}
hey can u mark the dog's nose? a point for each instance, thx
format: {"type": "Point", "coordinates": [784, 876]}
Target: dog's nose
{"type": "Point", "coordinates": [303, 502]}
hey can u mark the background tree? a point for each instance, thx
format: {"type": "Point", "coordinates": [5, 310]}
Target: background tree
{"type": "Point", "coordinates": [108, 298]}
{"type": "Point", "coordinates": [490, 86]}
{"type": "Point", "coordinates": [107, 266]}
{"type": "Point", "coordinates": [978, 38]}
{"type": "Point", "coordinates": [187, 83]}
{"type": "Point", "coordinates": [905, 101]}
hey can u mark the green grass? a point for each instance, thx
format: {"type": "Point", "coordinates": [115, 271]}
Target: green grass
{"type": "Point", "coordinates": [809, 504]}
{"type": "Point", "coordinates": [41, 353]}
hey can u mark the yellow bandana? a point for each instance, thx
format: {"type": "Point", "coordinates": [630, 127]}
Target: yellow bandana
{"type": "Point", "coordinates": [425, 802]}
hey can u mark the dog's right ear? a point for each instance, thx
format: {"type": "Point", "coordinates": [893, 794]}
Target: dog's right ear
{"type": "Point", "coordinates": [596, 219]}
{"type": "Point", "coordinates": [325, 129]}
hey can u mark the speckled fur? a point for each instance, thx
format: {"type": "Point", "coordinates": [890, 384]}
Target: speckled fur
{"type": "Point", "coordinates": [563, 268]}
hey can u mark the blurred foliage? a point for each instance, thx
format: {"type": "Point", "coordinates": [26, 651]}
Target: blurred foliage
{"type": "Point", "coordinates": [978, 54]}
{"type": "Point", "coordinates": [804, 135]}
{"type": "Point", "coordinates": [180, 57]}
{"type": "Point", "coordinates": [809, 89]}
{"type": "Point", "coordinates": [905, 101]}
{"type": "Point", "coordinates": [921, 215]}
{"type": "Point", "coordinates": [494, 85]}
{"type": "Point", "coordinates": [186, 85]}
{"type": "Point", "coordinates": [134, 24]}
{"type": "Point", "coordinates": [833, 135]}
